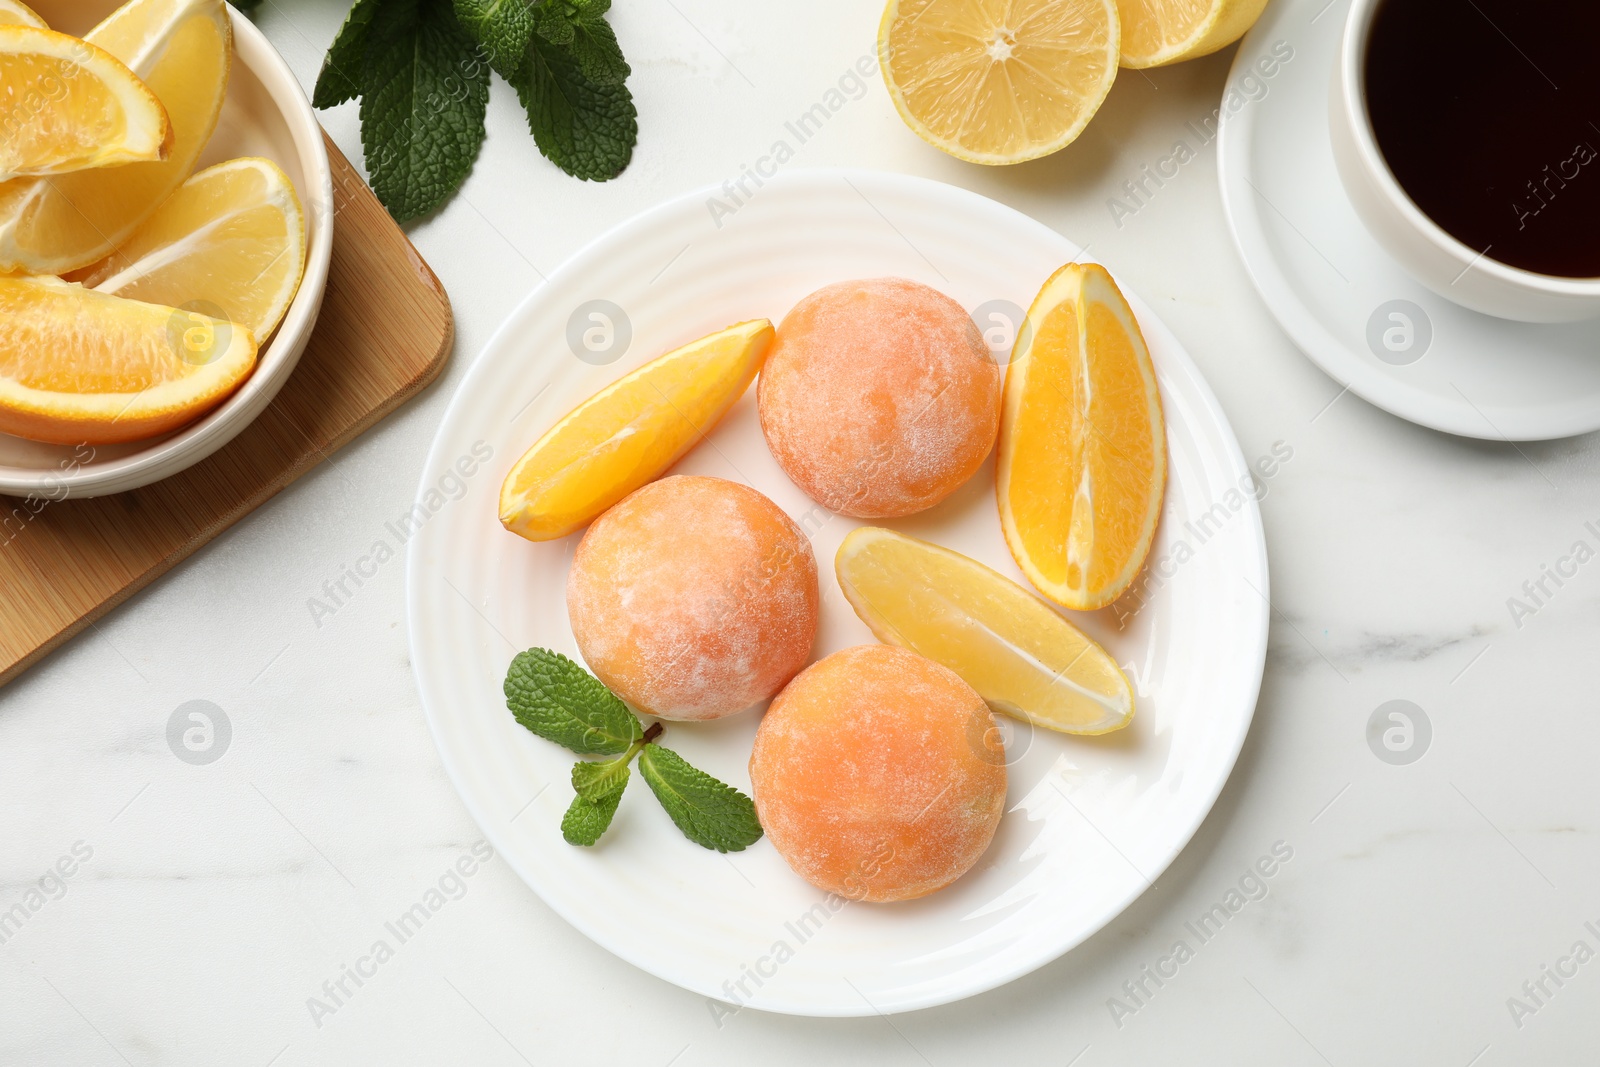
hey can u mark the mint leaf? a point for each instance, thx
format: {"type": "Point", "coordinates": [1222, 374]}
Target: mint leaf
{"type": "Point", "coordinates": [582, 126]}
{"type": "Point", "coordinates": [586, 820]}
{"type": "Point", "coordinates": [709, 813]}
{"type": "Point", "coordinates": [424, 91]}
{"type": "Point", "coordinates": [340, 78]}
{"type": "Point", "coordinates": [502, 28]}
{"type": "Point", "coordinates": [594, 781]}
{"type": "Point", "coordinates": [561, 702]}
{"type": "Point", "coordinates": [579, 26]}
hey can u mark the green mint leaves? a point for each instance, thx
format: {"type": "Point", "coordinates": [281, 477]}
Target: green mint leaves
{"type": "Point", "coordinates": [560, 701]}
{"type": "Point", "coordinates": [708, 812]}
{"type": "Point", "coordinates": [586, 128]}
{"type": "Point", "coordinates": [421, 71]}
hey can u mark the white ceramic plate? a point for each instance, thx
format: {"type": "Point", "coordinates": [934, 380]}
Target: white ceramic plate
{"type": "Point", "coordinates": [1091, 822]}
{"type": "Point", "coordinates": [1342, 299]}
{"type": "Point", "coordinates": [265, 113]}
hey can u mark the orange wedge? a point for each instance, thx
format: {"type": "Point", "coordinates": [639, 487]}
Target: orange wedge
{"type": "Point", "coordinates": [1013, 648]}
{"type": "Point", "coordinates": [14, 13]}
{"type": "Point", "coordinates": [182, 50]}
{"type": "Point", "coordinates": [1082, 456]}
{"type": "Point", "coordinates": [77, 366]}
{"type": "Point", "coordinates": [630, 432]}
{"type": "Point", "coordinates": [72, 106]}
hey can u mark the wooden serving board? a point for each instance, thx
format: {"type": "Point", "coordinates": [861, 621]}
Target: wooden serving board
{"type": "Point", "coordinates": [384, 333]}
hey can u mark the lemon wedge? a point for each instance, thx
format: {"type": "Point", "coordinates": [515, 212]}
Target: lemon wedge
{"type": "Point", "coordinates": [1013, 648]}
{"type": "Point", "coordinates": [231, 242]}
{"type": "Point", "coordinates": [14, 13]}
{"type": "Point", "coordinates": [182, 50]}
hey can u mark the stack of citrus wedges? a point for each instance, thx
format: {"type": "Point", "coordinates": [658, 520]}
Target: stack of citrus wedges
{"type": "Point", "coordinates": [134, 293]}
{"type": "Point", "coordinates": [1006, 82]}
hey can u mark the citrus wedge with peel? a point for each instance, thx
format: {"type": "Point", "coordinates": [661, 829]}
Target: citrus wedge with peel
{"type": "Point", "coordinates": [181, 50]}
{"type": "Point", "coordinates": [1013, 648]}
{"type": "Point", "coordinates": [998, 82]}
{"type": "Point", "coordinates": [231, 242]}
{"type": "Point", "coordinates": [15, 13]}
{"type": "Point", "coordinates": [77, 366]}
{"type": "Point", "coordinates": [1082, 459]}
{"type": "Point", "coordinates": [72, 106]}
{"type": "Point", "coordinates": [1158, 32]}
{"type": "Point", "coordinates": [630, 432]}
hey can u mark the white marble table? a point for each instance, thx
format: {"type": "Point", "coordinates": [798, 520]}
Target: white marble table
{"type": "Point", "coordinates": [207, 903]}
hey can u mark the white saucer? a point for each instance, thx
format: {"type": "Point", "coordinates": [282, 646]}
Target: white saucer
{"type": "Point", "coordinates": [1341, 298]}
{"type": "Point", "coordinates": [1091, 821]}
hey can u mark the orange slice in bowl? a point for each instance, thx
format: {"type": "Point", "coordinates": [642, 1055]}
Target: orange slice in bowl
{"type": "Point", "coordinates": [182, 50]}
{"type": "Point", "coordinates": [1082, 456]}
{"type": "Point", "coordinates": [72, 106]}
{"type": "Point", "coordinates": [80, 366]}
{"type": "Point", "coordinates": [630, 432]}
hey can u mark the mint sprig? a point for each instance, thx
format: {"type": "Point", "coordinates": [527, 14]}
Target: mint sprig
{"type": "Point", "coordinates": [560, 701]}
{"type": "Point", "coordinates": [421, 71]}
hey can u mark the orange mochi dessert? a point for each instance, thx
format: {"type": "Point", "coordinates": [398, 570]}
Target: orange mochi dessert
{"type": "Point", "coordinates": [879, 397]}
{"type": "Point", "coordinates": [878, 774]}
{"type": "Point", "coordinates": [693, 598]}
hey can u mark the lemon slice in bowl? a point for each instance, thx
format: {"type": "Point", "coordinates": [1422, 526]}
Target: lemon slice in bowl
{"type": "Point", "coordinates": [1021, 656]}
{"type": "Point", "coordinates": [14, 13]}
{"type": "Point", "coordinates": [1158, 32]}
{"type": "Point", "coordinates": [630, 432]}
{"type": "Point", "coordinates": [81, 366]}
{"type": "Point", "coordinates": [72, 106]}
{"type": "Point", "coordinates": [998, 83]}
{"type": "Point", "coordinates": [231, 242]}
{"type": "Point", "coordinates": [182, 50]}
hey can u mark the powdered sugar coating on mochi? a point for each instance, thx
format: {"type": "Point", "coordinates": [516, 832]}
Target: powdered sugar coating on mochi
{"type": "Point", "coordinates": [879, 397]}
{"type": "Point", "coordinates": [694, 598]}
{"type": "Point", "coordinates": [879, 775]}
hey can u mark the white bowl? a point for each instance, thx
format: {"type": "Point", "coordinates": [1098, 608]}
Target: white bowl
{"type": "Point", "coordinates": [1439, 261]}
{"type": "Point", "coordinates": [264, 114]}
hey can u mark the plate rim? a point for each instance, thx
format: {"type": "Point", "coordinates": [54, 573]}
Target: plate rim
{"type": "Point", "coordinates": [1182, 361]}
{"type": "Point", "coordinates": [1235, 138]}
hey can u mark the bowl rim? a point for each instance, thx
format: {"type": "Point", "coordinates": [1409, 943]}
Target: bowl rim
{"type": "Point", "coordinates": [1350, 87]}
{"type": "Point", "coordinates": [278, 357]}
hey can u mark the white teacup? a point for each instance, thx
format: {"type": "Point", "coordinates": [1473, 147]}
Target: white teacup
{"type": "Point", "coordinates": [1432, 256]}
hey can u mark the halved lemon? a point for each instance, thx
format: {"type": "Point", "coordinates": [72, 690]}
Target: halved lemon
{"type": "Point", "coordinates": [630, 432]}
{"type": "Point", "coordinates": [70, 105]}
{"type": "Point", "coordinates": [1158, 32]}
{"type": "Point", "coordinates": [1013, 648]}
{"type": "Point", "coordinates": [80, 366]}
{"type": "Point", "coordinates": [231, 242]}
{"type": "Point", "coordinates": [992, 82]}
{"type": "Point", "coordinates": [1082, 459]}
{"type": "Point", "coordinates": [182, 50]}
{"type": "Point", "coordinates": [14, 13]}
